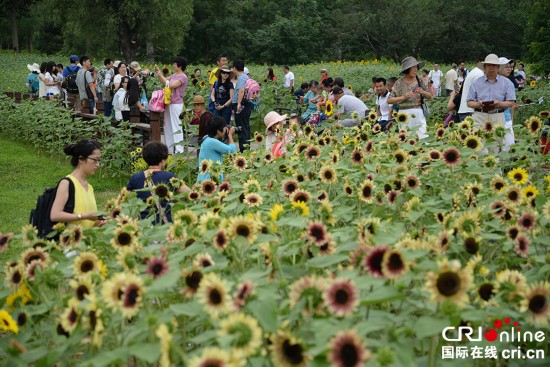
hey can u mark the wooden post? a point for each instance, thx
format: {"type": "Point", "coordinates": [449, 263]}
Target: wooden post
{"type": "Point", "coordinates": [155, 126]}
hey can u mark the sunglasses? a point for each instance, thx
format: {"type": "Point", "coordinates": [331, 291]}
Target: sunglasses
{"type": "Point", "coordinates": [225, 72]}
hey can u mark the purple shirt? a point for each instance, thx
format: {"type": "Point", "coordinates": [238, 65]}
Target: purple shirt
{"type": "Point", "coordinates": [177, 94]}
{"type": "Point", "coordinates": [501, 90]}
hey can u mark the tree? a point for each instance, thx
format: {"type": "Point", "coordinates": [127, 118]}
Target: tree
{"type": "Point", "coordinates": [537, 37]}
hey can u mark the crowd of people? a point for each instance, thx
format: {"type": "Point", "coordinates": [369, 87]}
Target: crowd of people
{"type": "Point", "coordinates": [487, 93]}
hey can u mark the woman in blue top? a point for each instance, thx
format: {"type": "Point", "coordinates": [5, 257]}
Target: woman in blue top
{"type": "Point", "coordinates": [311, 98]}
{"type": "Point", "coordinates": [212, 148]}
{"type": "Point", "coordinates": [155, 155]}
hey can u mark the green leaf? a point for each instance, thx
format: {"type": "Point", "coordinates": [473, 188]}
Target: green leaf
{"type": "Point", "coordinates": [108, 357]}
{"type": "Point", "coordinates": [149, 352]}
{"type": "Point", "coordinates": [166, 281]}
{"type": "Point", "coordinates": [381, 295]}
{"type": "Point", "coordinates": [190, 309]}
{"type": "Point", "coordinates": [428, 326]}
{"type": "Point", "coordinates": [325, 261]}
{"type": "Point", "coordinates": [265, 310]}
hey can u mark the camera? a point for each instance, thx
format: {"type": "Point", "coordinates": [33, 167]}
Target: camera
{"type": "Point", "coordinates": [147, 74]}
{"type": "Point", "coordinates": [238, 129]}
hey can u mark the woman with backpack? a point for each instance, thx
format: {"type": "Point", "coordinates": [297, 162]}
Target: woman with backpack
{"type": "Point", "coordinates": [130, 99]}
{"type": "Point", "coordinates": [74, 190]}
{"type": "Point", "coordinates": [222, 94]}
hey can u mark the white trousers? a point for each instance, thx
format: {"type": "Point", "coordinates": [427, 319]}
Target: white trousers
{"type": "Point", "coordinates": [417, 122]}
{"type": "Point", "coordinates": [173, 132]}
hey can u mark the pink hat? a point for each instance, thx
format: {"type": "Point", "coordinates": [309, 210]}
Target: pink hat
{"type": "Point", "coordinates": [271, 119]}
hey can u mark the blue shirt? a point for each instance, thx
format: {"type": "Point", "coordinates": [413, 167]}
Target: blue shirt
{"type": "Point", "coordinates": [501, 90]}
{"type": "Point", "coordinates": [241, 80]}
{"type": "Point", "coordinates": [213, 150]}
{"type": "Point", "coordinates": [73, 69]}
{"type": "Point", "coordinates": [137, 182]}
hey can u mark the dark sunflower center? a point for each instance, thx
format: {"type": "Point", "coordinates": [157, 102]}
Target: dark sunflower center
{"type": "Point", "coordinates": [349, 355]}
{"type": "Point", "coordinates": [215, 297]}
{"type": "Point", "coordinates": [513, 195]}
{"type": "Point", "coordinates": [395, 262]}
{"type": "Point", "coordinates": [526, 222]}
{"type": "Point", "coordinates": [34, 257]}
{"type": "Point", "coordinates": [486, 291]}
{"type": "Point", "coordinates": [86, 266]}
{"type": "Point", "coordinates": [537, 304]}
{"type": "Point", "coordinates": [124, 239]}
{"type": "Point", "coordinates": [3, 240]}
{"type": "Point", "coordinates": [411, 182]}
{"type": "Point", "coordinates": [240, 163]}
{"type": "Point", "coordinates": [499, 185]}
{"type": "Point", "coordinates": [451, 156]}
{"type": "Point", "coordinates": [93, 319]}
{"type": "Point", "coordinates": [161, 191]}
{"type": "Point", "coordinates": [318, 233]}
{"type": "Point", "coordinates": [132, 294]}
{"type": "Point", "coordinates": [243, 230]}
{"type": "Point", "coordinates": [357, 157]}
{"type": "Point", "coordinates": [22, 319]}
{"type": "Point", "coordinates": [399, 158]}
{"type": "Point", "coordinates": [82, 291]}
{"type": "Point", "coordinates": [518, 176]}
{"type": "Point", "coordinates": [72, 316]}
{"type": "Point", "coordinates": [208, 187]}
{"type": "Point", "coordinates": [220, 240]}
{"type": "Point", "coordinates": [367, 191]}
{"type": "Point", "coordinates": [341, 296]}
{"type": "Point", "coordinates": [193, 280]}
{"type": "Point", "coordinates": [77, 235]}
{"type": "Point", "coordinates": [293, 352]}
{"type": "Point", "coordinates": [375, 261]}
{"type": "Point", "coordinates": [157, 269]}
{"type": "Point", "coordinates": [448, 283]}
{"type": "Point", "coordinates": [471, 245]}
{"type": "Point", "coordinates": [328, 175]}
{"type": "Point", "coordinates": [301, 197]}
{"type": "Point", "coordinates": [349, 191]}
{"type": "Point", "coordinates": [472, 143]}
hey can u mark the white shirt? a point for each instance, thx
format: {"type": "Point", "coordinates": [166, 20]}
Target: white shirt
{"type": "Point", "coordinates": [117, 103]}
{"type": "Point", "coordinates": [349, 104]}
{"type": "Point", "coordinates": [288, 77]}
{"type": "Point", "coordinates": [436, 77]}
{"type": "Point", "coordinates": [51, 89]}
{"type": "Point", "coordinates": [382, 103]}
{"type": "Point", "coordinates": [450, 78]}
{"type": "Point", "coordinates": [472, 75]}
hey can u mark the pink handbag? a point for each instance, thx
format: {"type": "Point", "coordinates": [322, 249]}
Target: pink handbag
{"type": "Point", "coordinates": [156, 104]}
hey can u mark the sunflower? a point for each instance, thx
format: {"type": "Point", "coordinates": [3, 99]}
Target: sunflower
{"type": "Point", "coordinates": [132, 296]}
{"type": "Point", "coordinates": [341, 297]}
{"type": "Point", "coordinates": [530, 191]}
{"type": "Point", "coordinates": [534, 125]}
{"type": "Point", "coordinates": [220, 240]}
{"type": "Point", "coordinates": [112, 290]}
{"type": "Point", "coordinates": [451, 156]}
{"type": "Point", "coordinates": [373, 261]}
{"type": "Point", "coordinates": [302, 206]}
{"type": "Point", "coordinates": [253, 199]}
{"type": "Point", "coordinates": [468, 223]}
{"type": "Point", "coordinates": [450, 283]}
{"type": "Point", "coordinates": [346, 349]}
{"type": "Point", "coordinates": [328, 175]}
{"type": "Point", "coordinates": [290, 186]}
{"type": "Point", "coordinates": [440, 133]}
{"type": "Point", "coordinates": [213, 295]}
{"type": "Point", "coordinates": [203, 260]}
{"type": "Point", "coordinates": [275, 212]}
{"type": "Point", "coordinates": [518, 176]}
{"type": "Point", "coordinates": [212, 357]}
{"type": "Point", "coordinates": [82, 287]}
{"type": "Point", "coordinates": [240, 163]}
{"type": "Point", "coordinates": [85, 264]}
{"type": "Point", "coordinates": [69, 318]}
{"type": "Point", "coordinates": [244, 291]}
{"type": "Point", "coordinates": [312, 153]}
{"type": "Point", "coordinates": [193, 280]}
{"type": "Point", "coordinates": [317, 232]}
{"type": "Point", "coordinates": [176, 232]}
{"type": "Point", "coordinates": [366, 191]}
{"type": "Point", "coordinates": [186, 216]}
{"type": "Point", "coordinates": [14, 276]}
{"type": "Point", "coordinates": [258, 137]}
{"type": "Point", "coordinates": [287, 351]}
{"type": "Point", "coordinates": [498, 208]}
{"type": "Point", "coordinates": [4, 240]}
{"type": "Point", "coordinates": [244, 227]}
{"type": "Point", "coordinates": [393, 264]}
{"type": "Point", "coordinates": [300, 147]}
{"type": "Point", "coordinates": [473, 142]}
{"type": "Point", "coordinates": [522, 244]}
{"type": "Point", "coordinates": [392, 196]}
{"type": "Point", "coordinates": [412, 182]}
{"type": "Point", "coordinates": [400, 156]}
{"type": "Point", "coordinates": [123, 239]}
{"type": "Point", "coordinates": [301, 195]}
{"type": "Point", "coordinates": [157, 267]}
{"type": "Point", "coordinates": [535, 301]}
{"type": "Point", "coordinates": [486, 291]}
{"type": "Point", "coordinates": [329, 108]}
{"type": "Point", "coordinates": [307, 292]}
{"type": "Point", "coordinates": [402, 117]}
{"type": "Point", "coordinates": [208, 187]}
{"type": "Point", "coordinates": [357, 156]}
{"type": "Point", "coordinates": [513, 194]}
{"type": "Point", "coordinates": [7, 323]}
{"type": "Point", "coordinates": [498, 184]}
{"type": "Point", "coordinates": [546, 210]}
{"type": "Point", "coordinates": [244, 333]}
{"type": "Point", "coordinates": [32, 254]}
{"type": "Point", "coordinates": [527, 221]}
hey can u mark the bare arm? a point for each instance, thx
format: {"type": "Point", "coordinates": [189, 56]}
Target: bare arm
{"type": "Point", "coordinates": [57, 213]}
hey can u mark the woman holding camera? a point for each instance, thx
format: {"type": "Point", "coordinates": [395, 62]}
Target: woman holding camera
{"type": "Point", "coordinates": [177, 83]}
{"type": "Point", "coordinates": [222, 94]}
{"type": "Point", "coordinates": [212, 148]}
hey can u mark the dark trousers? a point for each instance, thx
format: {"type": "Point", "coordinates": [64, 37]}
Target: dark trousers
{"type": "Point", "coordinates": [242, 120]}
{"type": "Point", "coordinates": [108, 109]}
{"type": "Point", "coordinates": [225, 113]}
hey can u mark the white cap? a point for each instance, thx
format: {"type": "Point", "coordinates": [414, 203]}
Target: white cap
{"type": "Point", "coordinates": [504, 60]}
{"type": "Point", "coordinates": [246, 71]}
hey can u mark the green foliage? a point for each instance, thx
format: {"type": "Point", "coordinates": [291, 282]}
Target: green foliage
{"type": "Point", "coordinates": [537, 36]}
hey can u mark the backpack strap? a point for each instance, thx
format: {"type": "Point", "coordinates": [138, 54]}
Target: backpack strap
{"type": "Point", "coordinates": [69, 206]}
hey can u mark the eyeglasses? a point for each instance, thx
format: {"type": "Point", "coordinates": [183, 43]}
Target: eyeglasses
{"type": "Point", "coordinates": [96, 160]}
{"type": "Point", "coordinates": [225, 72]}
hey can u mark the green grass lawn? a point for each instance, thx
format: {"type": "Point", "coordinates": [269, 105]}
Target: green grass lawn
{"type": "Point", "coordinates": [26, 172]}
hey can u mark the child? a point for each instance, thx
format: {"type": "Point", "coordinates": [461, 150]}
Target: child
{"type": "Point", "coordinates": [276, 138]}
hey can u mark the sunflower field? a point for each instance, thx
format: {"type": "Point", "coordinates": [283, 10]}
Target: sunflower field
{"type": "Point", "coordinates": [358, 248]}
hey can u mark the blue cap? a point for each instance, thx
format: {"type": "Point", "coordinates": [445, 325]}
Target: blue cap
{"type": "Point", "coordinates": [73, 58]}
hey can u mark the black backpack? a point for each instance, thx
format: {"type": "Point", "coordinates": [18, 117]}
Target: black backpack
{"type": "Point", "coordinates": [70, 81]}
{"type": "Point", "coordinates": [40, 215]}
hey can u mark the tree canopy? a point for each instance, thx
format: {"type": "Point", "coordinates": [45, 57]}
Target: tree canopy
{"type": "Point", "coordinates": [289, 31]}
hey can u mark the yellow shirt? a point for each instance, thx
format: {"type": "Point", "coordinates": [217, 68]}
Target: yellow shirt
{"type": "Point", "coordinates": [213, 77]}
{"type": "Point", "coordinates": [84, 201]}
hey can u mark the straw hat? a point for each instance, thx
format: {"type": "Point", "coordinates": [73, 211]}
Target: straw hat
{"type": "Point", "coordinates": [271, 119]}
{"type": "Point", "coordinates": [198, 100]}
{"type": "Point", "coordinates": [491, 59]}
{"type": "Point", "coordinates": [135, 65]}
{"type": "Point", "coordinates": [409, 62]}
{"type": "Point", "coordinates": [224, 68]}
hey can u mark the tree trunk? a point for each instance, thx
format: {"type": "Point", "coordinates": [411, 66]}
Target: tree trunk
{"type": "Point", "coordinates": [14, 32]}
{"type": "Point", "coordinates": [125, 39]}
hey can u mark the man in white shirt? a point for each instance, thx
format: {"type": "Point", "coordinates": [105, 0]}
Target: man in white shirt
{"type": "Point", "coordinates": [383, 109]}
{"type": "Point", "coordinates": [465, 111]}
{"type": "Point", "coordinates": [451, 77]}
{"type": "Point", "coordinates": [349, 105]}
{"type": "Point", "coordinates": [289, 77]}
{"type": "Point", "coordinates": [435, 76]}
